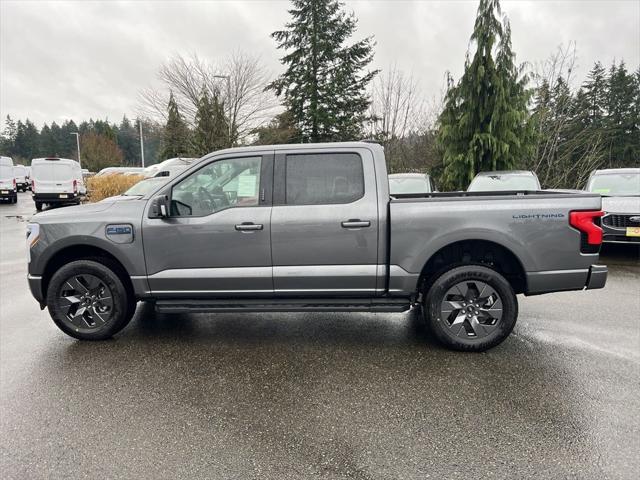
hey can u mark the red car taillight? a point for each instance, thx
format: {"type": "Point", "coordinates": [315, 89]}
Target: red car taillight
{"type": "Point", "coordinates": [585, 222]}
{"type": "Point", "coordinates": [75, 186]}
{"type": "Point", "coordinates": [33, 186]}
{"type": "Point", "coordinates": [14, 184]}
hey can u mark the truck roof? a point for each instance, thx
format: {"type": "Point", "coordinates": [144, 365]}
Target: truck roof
{"type": "Point", "coordinates": [611, 171]}
{"type": "Point", "coordinates": [506, 172]}
{"type": "Point", "coordinates": [37, 161]}
{"type": "Point", "coordinates": [300, 146]}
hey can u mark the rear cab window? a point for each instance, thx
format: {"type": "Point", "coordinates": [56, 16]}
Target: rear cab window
{"type": "Point", "coordinates": [323, 178]}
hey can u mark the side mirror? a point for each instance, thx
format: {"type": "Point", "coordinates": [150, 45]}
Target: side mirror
{"type": "Point", "coordinates": [159, 207]}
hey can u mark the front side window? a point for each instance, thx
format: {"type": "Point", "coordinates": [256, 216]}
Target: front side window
{"type": "Point", "coordinates": [324, 178]}
{"type": "Point", "coordinates": [223, 184]}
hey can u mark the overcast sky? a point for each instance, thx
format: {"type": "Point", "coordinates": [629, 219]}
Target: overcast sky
{"type": "Point", "coordinates": [83, 59]}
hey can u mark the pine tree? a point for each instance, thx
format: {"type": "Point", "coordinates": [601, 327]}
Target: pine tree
{"type": "Point", "coordinates": [211, 131]}
{"type": "Point", "coordinates": [485, 124]}
{"type": "Point", "coordinates": [176, 138]}
{"type": "Point", "coordinates": [324, 85]}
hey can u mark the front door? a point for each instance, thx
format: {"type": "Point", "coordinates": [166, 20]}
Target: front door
{"type": "Point", "coordinates": [324, 224]}
{"type": "Point", "coordinates": [217, 240]}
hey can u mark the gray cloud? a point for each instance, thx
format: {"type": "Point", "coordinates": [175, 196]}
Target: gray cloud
{"type": "Point", "coordinates": [78, 60]}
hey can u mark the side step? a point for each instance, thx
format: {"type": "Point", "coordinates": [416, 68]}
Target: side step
{"type": "Point", "coordinates": [183, 305]}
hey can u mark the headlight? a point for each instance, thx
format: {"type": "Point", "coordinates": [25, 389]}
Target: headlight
{"type": "Point", "coordinates": [33, 234]}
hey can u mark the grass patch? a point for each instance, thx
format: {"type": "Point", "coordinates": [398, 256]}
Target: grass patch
{"type": "Point", "coordinates": [99, 188]}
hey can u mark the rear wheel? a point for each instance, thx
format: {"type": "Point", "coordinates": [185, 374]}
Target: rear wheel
{"type": "Point", "coordinates": [87, 300]}
{"type": "Point", "coordinates": [471, 308]}
{"type": "Point", "coordinates": [39, 206]}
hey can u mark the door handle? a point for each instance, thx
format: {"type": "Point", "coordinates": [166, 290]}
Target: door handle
{"type": "Point", "coordinates": [356, 223]}
{"type": "Point", "coordinates": [248, 226]}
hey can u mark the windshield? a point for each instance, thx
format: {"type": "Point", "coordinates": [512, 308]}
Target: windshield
{"type": "Point", "coordinates": [616, 184]}
{"type": "Point", "coordinates": [408, 185]}
{"type": "Point", "coordinates": [492, 183]}
{"type": "Point", "coordinates": [145, 186]}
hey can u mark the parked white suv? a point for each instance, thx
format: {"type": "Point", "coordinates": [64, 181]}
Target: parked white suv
{"type": "Point", "coordinates": [8, 190]}
{"type": "Point", "coordinates": [56, 181]}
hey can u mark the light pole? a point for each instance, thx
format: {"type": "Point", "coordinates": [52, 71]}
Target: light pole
{"type": "Point", "coordinates": [141, 143]}
{"type": "Point", "coordinates": [228, 77]}
{"type": "Point", "coordinates": [78, 144]}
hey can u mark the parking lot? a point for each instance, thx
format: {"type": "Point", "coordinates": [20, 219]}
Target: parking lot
{"type": "Point", "coordinates": [361, 396]}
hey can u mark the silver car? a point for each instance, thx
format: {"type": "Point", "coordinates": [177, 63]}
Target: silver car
{"type": "Point", "coordinates": [509, 180]}
{"type": "Point", "coordinates": [620, 190]}
{"type": "Point", "coordinates": [411, 183]}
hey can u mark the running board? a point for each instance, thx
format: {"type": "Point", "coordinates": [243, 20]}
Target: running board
{"type": "Point", "coordinates": [284, 305]}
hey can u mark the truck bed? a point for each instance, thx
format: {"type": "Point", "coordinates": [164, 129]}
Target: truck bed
{"type": "Point", "coordinates": [533, 226]}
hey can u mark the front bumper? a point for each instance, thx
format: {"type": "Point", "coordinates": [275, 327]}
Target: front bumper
{"type": "Point", "coordinates": [616, 226]}
{"type": "Point", "coordinates": [564, 280]}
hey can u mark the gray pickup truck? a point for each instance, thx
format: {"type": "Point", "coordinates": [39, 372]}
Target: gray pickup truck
{"type": "Point", "coordinates": [312, 228]}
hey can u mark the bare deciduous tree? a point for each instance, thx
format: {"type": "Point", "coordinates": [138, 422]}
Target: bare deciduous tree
{"type": "Point", "coordinates": [402, 121]}
{"type": "Point", "coordinates": [564, 155]}
{"type": "Point", "coordinates": [239, 80]}
{"type": "Point", "coordinates": [397, 107]}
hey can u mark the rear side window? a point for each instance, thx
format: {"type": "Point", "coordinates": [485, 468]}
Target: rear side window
{"type": "Point", "coordinates": [323, 178]}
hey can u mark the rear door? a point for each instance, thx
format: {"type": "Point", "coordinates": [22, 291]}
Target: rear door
{"type": "Point", "coordinates": [53, 176]}
{"type": "Point", "coordinates": [324, 224]}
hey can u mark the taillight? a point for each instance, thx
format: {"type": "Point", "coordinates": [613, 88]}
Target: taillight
{"type": "Point", "coordinates": [585, 222]}
{"type": "Point", "coordinates": [14, 184]}
{"type": "Point", "coordinates": [33, 186]}
{"type": "Point", "coordinates": [75, 186]}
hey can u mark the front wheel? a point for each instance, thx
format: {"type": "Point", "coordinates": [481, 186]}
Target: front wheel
{"type": "Point", "coordinates": [471, 308]}
{"type": "Point", "coordinates": [87, 300]}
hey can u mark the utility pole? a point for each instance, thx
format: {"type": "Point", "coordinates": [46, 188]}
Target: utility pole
{"type": "Point", "coordinates": [78, 145]}
{"type": "Point", "coordinates": [141, 143]}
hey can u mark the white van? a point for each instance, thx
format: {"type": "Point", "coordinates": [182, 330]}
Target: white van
{"type": "Point", "coordinates": [56, 181]}
{"type": "Point", "coordinates": [8, 190]}
{"type": "Point", "coordinates": [21, 175]}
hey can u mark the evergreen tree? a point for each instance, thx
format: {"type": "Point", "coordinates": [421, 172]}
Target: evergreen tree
{"type": "Point", "coordinates": [595, 90]}
{"type": "Point", "coordinates": [324, 85]}
{"type": "Point", "coordinates": [211, 131]}
{"type": "Point", "coordinates": [27, 141]}
{"type": "Point", "coordinates": [484, 124]}
{"type": "Point", "coordinates": [8, 138]}
{"type": "Point", "coordinates": [128, 141]}
{"type": "Point", "coordinates": [622, 137]}
{"type": "Point", "coordinates": [176, 136]}
{"type": "Point", "coordinates": [279, 131]}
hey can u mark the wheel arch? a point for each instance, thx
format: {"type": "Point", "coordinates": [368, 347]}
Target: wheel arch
{"type": "Point", "coordinates": [75, 252]}
{"type": "Point", "coordinates": [479, 252]}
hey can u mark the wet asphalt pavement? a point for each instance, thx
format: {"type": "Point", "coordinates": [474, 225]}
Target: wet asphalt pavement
{"type": "Point", "coordinates": [362, 396]}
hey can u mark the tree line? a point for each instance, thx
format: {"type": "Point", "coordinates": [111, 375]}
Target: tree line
{"type": "Point", "coordinates": [102, 144]}
{"type": "Point", "coordinates": [499, 115]}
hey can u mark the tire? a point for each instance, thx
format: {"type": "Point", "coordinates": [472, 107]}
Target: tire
{"type": "Point", "coordinates": [14, 199]}
{"type": "Point", "coordinates": [39, 206]}
{"type": "Point", "coordinates": [470, 308]}
{"type": "Point", "coordinates": [88, 301]}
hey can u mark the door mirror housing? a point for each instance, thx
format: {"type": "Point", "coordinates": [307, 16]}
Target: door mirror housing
{"type": "Point", "coordinates": [159, 207]}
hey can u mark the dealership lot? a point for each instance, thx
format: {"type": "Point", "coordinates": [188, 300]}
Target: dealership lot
{"type": "Point", "coordinates": [320, 395]}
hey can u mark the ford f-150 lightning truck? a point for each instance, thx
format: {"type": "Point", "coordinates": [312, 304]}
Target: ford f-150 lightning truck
{"type": "Point", "coordinates": [312, 227]}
